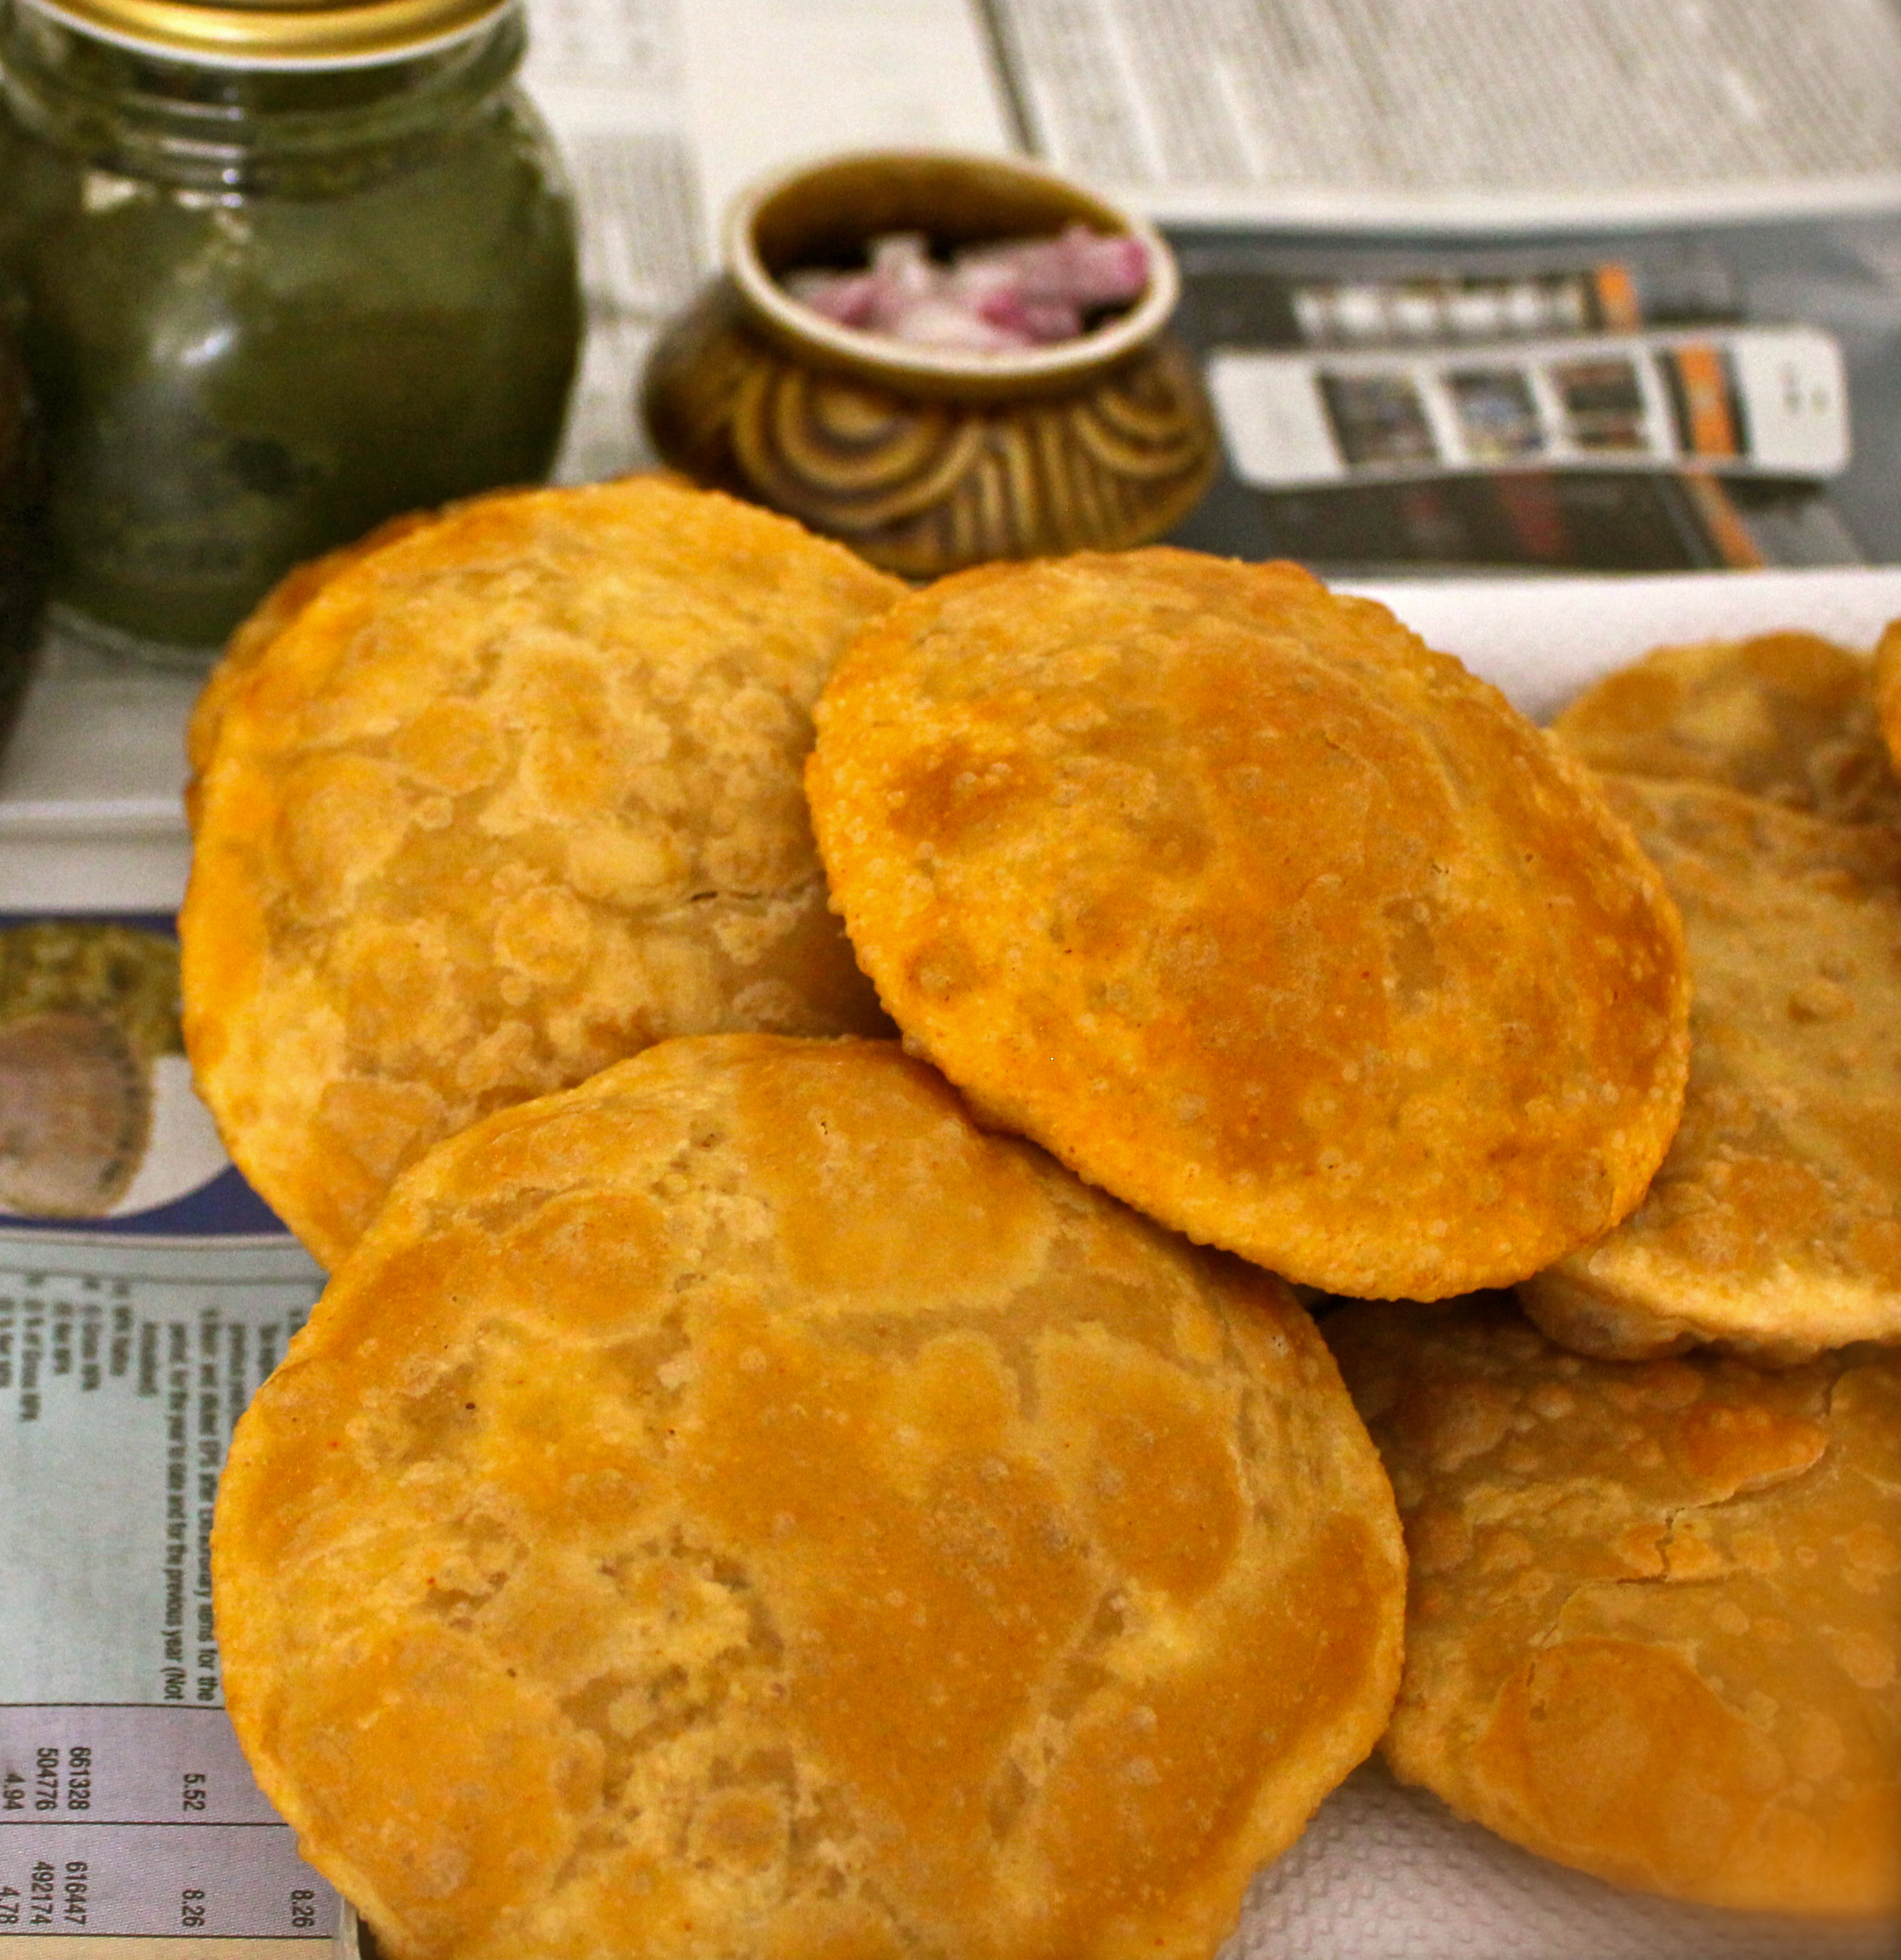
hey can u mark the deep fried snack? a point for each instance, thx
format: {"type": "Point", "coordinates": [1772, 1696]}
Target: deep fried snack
{"type": "Point", "coordinates": [279, 607]}
{"type": "Point", "coordinates": [1787, 716]}
{"type": "Point", "coordinates": [252, 640]}
{"type": "Point", "coordinates": [1887, 689]}
{"type": "Point", "coordinates": [1652, 1626]}
{"type": "Point", "coordinates": [737, 1507]}
{"type": "Point", "coordinates": [506, 799]}
{"type": "Point", "coordinates": [1774, 1226]}
{"type": "Point", "coordinates": [1255, 912]}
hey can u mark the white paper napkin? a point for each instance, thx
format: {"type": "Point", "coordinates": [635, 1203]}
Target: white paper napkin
{"type": "Point", "coordinates": [1541, 639]}
{"type": "Point", "coordinates": [1385, 1872]}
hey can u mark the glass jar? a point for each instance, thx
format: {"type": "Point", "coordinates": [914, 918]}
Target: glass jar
{"type": "Point", "coordinates": [22, 553]}
{"type": "Point", "coordinates": [286, 271]}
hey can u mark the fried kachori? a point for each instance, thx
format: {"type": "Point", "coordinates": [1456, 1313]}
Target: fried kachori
{"type": "Point", "coordinates": [737, 1507]}
{"type": "Point", "coordinates": [1788, 716]}
{"type": "Point", "coordinates": [1256, 912]}
{"type": "Point", "coordinates": [1774, 1226]}
{"type": "Point", "coordinates": [498, 802]}
{"type": "Point", "coordinates": [252, 639]}
{"type": "Point", "coordinates": [1653, 1623]}
{"type": "Point", "coordinates": [1887, 689]}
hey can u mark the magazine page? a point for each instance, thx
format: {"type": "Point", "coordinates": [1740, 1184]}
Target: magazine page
{"type": "Point", "coordinates": [1387, 114]}
{"type": "Point", "coordinates": [1681, 398]}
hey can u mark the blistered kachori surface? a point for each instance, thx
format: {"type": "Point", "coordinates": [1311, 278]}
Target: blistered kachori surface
{"type": "Point", "coordinates": [1255, 912]}
{"type": "Point", "coordinates": [502, 800]}
{"type": "Point", "coordinates": [1653, 1623]}
{"type": "Point", "coordinates": [737, 1507]}
{"type": "Point", "coordinates": [252, 638]}
{"type": "Point", "coordinates": [1774, 1226]}
{"type": "Point", "coordinates": [1790, 717]}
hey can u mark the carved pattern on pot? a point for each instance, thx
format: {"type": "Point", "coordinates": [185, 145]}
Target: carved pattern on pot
{"type": "Point", "coordinates": [920, 487]}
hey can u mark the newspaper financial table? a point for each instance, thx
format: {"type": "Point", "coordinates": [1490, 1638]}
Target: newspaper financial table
{"type": "Point", "coordinates": [129, 1821]}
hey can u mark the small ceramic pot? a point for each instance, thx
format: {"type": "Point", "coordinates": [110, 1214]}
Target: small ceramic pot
{"type": "Point", "coordinates": [928, 458]}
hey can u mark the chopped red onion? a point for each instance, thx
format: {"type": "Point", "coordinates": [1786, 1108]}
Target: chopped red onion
{"type": "Point", "coordinates": [1027, 292]}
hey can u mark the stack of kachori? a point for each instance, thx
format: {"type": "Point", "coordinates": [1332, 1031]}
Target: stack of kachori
{"type": "Point", "coordinates": [738, 1494]}
{"type": "Point", "coordinates": [494, 800]}
{"type": "Point", "coordinates": [733, 1497]}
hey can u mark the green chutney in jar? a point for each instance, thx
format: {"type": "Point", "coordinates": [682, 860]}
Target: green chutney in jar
{"type": "Point", "coordinates": [22, 552]}
{"type": "Point", "coordinates": [286, 271]}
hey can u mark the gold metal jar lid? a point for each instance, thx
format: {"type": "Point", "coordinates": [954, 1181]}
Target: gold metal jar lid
{"type": "Point", "coordinates": [285, 34]}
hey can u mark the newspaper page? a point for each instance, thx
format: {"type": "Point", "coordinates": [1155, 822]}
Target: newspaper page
{"type": "Point", "coordinates": [771, 82]}
{"type": "Point", "coordinates": [1569, 454]}
{"type": "Point", "coordinates": [606, 73]}
{"type": "Point", "coordinates": [144, 1293]}
{"type": "Point", "coordinates": [664, 108]}
{"type": "Point", "coordinates": [1481, 285]}
{"type": "Point", "coordinates": [1384, 114]}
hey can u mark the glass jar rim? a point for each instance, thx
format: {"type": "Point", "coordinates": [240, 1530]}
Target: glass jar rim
{"type": "Point", "coordinates": [287, 34]}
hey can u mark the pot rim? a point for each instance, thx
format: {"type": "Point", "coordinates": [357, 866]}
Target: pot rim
{"type": "Point", "coordinates": [901, 361]}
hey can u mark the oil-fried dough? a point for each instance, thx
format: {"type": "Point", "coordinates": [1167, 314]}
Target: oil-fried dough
{"type": "Point", "coordinates": [1653, 1628]}
{"type": "Point", "coordinates": [252, 640]}
{"type": "Point", "coordinates": [1774, 1227]}
{"type": "Point", "coordinates": [1787, 716]}
{"type": "Point", "coordinates": [1887, 689]}
{"type": "Point", "coordinates": [738, 1507]}
{"type": "Point", "coordinates": [503, 800]}
{"type": "Point", "coordinates": [1257, 913]}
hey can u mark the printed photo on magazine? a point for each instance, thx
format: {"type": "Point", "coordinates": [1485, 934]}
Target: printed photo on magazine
{"type": "Point", "coordinates": [1725, 397]}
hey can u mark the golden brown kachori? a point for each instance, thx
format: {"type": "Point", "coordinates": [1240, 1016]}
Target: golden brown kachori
{"type": "Point", "coordinates": [1788, 716]}
{"type": "Point", "coordinates": [502, 800]}
{"type": "Point", "coordinates": [1653, 1623]}
{"type": "Point", "coordinates": [252, 639]}
{"type": "Point", "coordinates": [1887, 689]}
{"type": "Point", "coordinates": [1774, 1226]}
{"type": "Point", "coordinates": [1256, 912]}
{"type": "Point", "coordinates": [737, 1507]}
